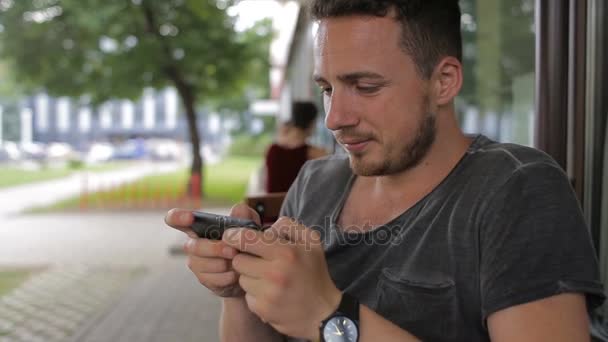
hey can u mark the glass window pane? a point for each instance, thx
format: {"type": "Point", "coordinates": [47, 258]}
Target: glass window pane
{"type": "Point", "coordinates": [497, 98]}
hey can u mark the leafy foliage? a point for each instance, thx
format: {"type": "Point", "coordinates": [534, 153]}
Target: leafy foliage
{"type": "Point", "coordinates": [105, 49]}
{"type": "Point", "coordinates": [102, 49]}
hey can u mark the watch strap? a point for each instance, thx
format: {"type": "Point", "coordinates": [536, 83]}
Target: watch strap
{"type": "Point", "coordinates": [349, 307]}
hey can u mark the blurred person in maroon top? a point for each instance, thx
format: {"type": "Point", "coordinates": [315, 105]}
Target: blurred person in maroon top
{"type": "Point", "coordinates": [285, 157]}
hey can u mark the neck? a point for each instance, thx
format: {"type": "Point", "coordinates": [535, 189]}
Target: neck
{"type": "Point", "coordinates": [293, 138]}
{"type": "Point", "coordinates": [444, 154]}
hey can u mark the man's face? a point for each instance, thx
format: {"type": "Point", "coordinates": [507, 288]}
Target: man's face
{"type": "Point", "coordinates": [377, 106]}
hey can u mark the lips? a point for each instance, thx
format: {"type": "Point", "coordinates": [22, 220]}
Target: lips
{"type": "Point", "coordinates": [355, 145]}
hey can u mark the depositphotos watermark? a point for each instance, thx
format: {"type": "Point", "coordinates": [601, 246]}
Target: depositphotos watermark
{"type": "Point", "coordinates": [290, 232]}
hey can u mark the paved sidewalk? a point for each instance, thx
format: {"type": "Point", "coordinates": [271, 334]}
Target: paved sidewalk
{"type": "Point", "coordinates": [108, 277]}
{"type": "Point", "coordinates": [166, 305]}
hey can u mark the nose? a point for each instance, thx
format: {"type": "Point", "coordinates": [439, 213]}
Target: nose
{"type": "Point", "coordinates": [339, 111]}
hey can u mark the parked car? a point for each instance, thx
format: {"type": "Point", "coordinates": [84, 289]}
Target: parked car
{"type": "Point", "coordinates": [99, 152]}
{"type": "Point", "coordinates": [164, 149]}
{"type": "Point", "coordinates": [130, 149]}
{"type": "Point", "coordinates": [9, 152]}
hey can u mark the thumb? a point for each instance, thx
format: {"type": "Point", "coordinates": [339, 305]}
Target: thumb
{"type": "Point", "coordinates": [290, 230]}
{"type": "Point", "coordinates": [242, 211]}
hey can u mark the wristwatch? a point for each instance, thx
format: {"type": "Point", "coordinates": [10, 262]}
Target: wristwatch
{"type": "Point", "coordinates": [343, 324]}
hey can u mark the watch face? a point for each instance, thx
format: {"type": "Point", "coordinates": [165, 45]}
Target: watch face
{"type": "Point", "coordinates": [340, 329]}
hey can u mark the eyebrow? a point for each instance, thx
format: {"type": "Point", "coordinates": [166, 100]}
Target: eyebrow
{"type": "Point", "coordinates": [351, 77]}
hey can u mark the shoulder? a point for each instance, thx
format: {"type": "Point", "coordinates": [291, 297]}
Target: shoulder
{"type": "Point", "coordinates": [503, 161]}
{"type": "Point", "coordinates": [272, 149]}
{"type": "Point", "coordinates": [325, 167]}
{"type": "Point", "coordinates": [275, 151]}
{"type": "Point", "coordinates": [321, 179]}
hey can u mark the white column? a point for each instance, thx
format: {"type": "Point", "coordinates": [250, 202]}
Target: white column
{"type": "Point", "coordinates": [105, 116]}
{"type": "Point", "coordinates": [127, 111]}
{"type": "Point", "coordinates": [26, 126]}
{"type": "Point", "coordinates": [63, 115]}
{"type": "Point", "coordinates": [170, 108]}
{"type": "Point", "coordinates": [149, 108]}
{"type": "Point", "coordinates": [42, 113]}
{"type": "Point", "coordinates": [84, 119]}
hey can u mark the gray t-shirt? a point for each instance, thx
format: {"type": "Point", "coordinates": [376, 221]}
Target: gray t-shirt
{"type": "Point", "coordinates": [502, 229]}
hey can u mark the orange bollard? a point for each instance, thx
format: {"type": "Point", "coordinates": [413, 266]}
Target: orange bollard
{"type": "Point", "coordinates": [123, 195]}
{"type": "Point", "coordinates": [145, 196]}
{"type": "Point", "coordinates": [83, 192]}
{"type": "Point", "coordinates": [131, 199]}
{"type": "Point", "coordinates": [165, 197]}
{"type": "Point", "coordinates": [195, 189]}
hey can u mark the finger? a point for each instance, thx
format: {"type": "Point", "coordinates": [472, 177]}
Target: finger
{"type": "Point", "coordinates": [267, 246]}
{"type": "Point", "coordinates": [209, 248]}
{"type": "Point", "coordinates": [218, 281]}
{"type": "Point", "coordinates": [289, 229]}
{"type": "Point", "coordinates": [250, 265]}
{"type": "Point", "coordinates": [208, 265]}
{"type": "Point", "coordinates": [252, 305]}
{"type": "Point", "coordinates": [180, 219]}
{"type": "Point", "coordinates": [241, 210]}
{"type": "Point", "coordinates": [252, 286]}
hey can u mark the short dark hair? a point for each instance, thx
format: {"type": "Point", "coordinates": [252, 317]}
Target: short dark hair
{"type": "Point", "coordinates": [430, 28]}
{"type": "Point", "coordinates": [303, 114]}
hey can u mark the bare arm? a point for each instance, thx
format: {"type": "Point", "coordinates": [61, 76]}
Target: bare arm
{"type": "Point", "coordinates": [238, 323]}
{"type": "Point", "coordinates": [557, 318]}
{"type": "Point", "coordinates": [374, 327]}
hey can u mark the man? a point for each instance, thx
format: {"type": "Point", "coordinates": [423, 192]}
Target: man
{"type": "Point", "coordinates": [420, 232]}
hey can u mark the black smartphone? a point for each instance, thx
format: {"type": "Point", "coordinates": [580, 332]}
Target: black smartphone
{"type": "Point", "coordinates": [212, 226]}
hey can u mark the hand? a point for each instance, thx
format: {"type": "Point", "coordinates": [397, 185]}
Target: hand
{"type": "Point", "coordinates": [210, 260]}
{"type": "Point", "coordinates": [285, 277]}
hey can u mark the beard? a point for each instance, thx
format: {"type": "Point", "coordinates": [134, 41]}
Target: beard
{"type": "Point", "coordinates": [408, 155]}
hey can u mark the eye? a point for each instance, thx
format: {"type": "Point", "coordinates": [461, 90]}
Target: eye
{"type": "Point", "coordinates": [368, 89]}
{"type": "Point", "coordinates": [326, 91]}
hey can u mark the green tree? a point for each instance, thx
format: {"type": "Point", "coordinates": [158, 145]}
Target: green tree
{"type": "Point", "coordinates": [102, 49]}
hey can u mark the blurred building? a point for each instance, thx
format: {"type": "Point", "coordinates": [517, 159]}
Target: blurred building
{"type": "Point", "coordinates": [156, 114]}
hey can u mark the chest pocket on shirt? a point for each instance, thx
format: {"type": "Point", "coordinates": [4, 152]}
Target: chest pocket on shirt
{"type": "Point", "coordinates": [423, 309]}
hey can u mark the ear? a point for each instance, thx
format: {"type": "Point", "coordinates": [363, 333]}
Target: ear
{"type": "Point", "coordinates": [447, 80]}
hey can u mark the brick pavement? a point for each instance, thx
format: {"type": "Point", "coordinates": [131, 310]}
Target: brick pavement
{"type": "Point", "coordinates": [55, 303]}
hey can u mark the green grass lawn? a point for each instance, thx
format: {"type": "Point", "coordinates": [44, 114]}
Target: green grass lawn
{"type": "Point", "coordinates": [11, 176]}
{"type": "Point", "coordinates": [225, 183]}
{"type": "Point", "coordinates": [10, 279]}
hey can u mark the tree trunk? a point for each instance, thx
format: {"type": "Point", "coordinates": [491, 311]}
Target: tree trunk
{"type": "Point", "coordinates": [187, 93]}
{"type": "Point", "coordinates": [196, 170]}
